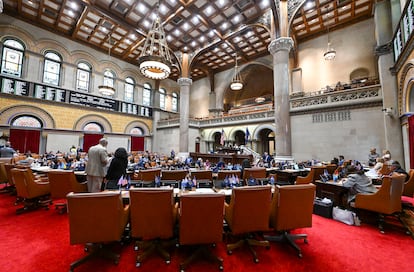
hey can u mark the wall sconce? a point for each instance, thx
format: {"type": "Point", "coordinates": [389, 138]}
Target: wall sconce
{"type": "Point", "coordinates": [388, 112]}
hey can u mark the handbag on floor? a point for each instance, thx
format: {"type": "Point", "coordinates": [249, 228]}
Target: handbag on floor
{"type": "Point", "coordinates": [344, 216]}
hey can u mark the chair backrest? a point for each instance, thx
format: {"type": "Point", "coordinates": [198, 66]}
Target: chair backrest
{"type": "Point", "coordinates": [292, 206]}
{"type": "Point", "coordinates": [396, 190]}
{"type": "Point", "coordinates": [202, 174]}
{"type": "Point", "coordinates": [20, 177]}
{"type": "Point", "coordinates": [255, 172]}
{"type": "Point", "coordinates": [152, 212]}
{"type": "Point", "coordinates": [96, 217]}
{"type": "Point", "coordinates": [3, 174]}
{"type": "Point", "coordinates": [331, 168]}
{"type": "Point", "coordinates": [173, 174]}
{"type": "Point", "coordinates": [201, 218]}
{"type": "Point", "coordinates": [62, 183]}
{"type": "Point", "coordinates": [409, 185]}
{"type": "Point", "coordinates": [149, 175]}
{"type": "Point", "coordinates": [317, 172]}
{"type": "Point", "coordinates": [222, 174]}
{"type": "Point", "coordinates": [385, 169]}
{"type": "Point", "coordinates": [249, 209]}
{"type": "Point", "coordinates": [8, 167]}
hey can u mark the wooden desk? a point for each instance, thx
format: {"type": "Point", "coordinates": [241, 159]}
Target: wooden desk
{"type": "Point", "coordinates": [289, 175]}
{"type": "Point", "coordinates": [334, 191]}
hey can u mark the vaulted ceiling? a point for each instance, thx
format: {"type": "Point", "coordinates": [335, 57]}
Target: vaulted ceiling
{"type": "Point", "coordinates": [212, 31]}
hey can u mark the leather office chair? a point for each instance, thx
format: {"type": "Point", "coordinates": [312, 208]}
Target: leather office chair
{"type": "Point", "coordinates": [247, 215]}
{"type": "Point", "coordinates": [409, 185]}
{"type": "Point", "coordinates": [204, 178]}
{"type": "Point", "coordinates": [385, 169]}
{"type": "Point", "coordinates": [314, 174]}
{"type": "Point", "coordinates": [256, 173]}
{"type": "Point", "coordinates": [3, 178]}
{"type": "Point", "coordinates": [153, 217]}
{"type": "Point", "coordinates": [201, 224]}
{"type": "Point", "coordinates": [97, 220]}
{"type": "Point", "coordinates": [63, 182]}
{"type": "Point", "coordinates": [292, 208]}
{"type": "Point", "coordinates": [173, 177]}
{"type": "Point", "coordinates": [147, 177]}
{"type": "Point", "coordinates": [386, 201]}
{"type": "Point", "coordinates": [32, 193]}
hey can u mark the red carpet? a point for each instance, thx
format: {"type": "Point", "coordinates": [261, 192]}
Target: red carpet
{"type": "Point", "coordinates": [39, 241]}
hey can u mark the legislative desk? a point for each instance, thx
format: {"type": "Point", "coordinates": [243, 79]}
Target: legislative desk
{"type": "Point", "coordinates": [288, 175]}
{"type": "Point", "coordinates": [232, 158]}
{"type": "Point", "coordinates": [334, 191]}
{"type": "Point", "coordinates": [80, 175]}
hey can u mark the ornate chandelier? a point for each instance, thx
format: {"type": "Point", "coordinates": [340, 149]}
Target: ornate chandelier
{"type": "Point", "coordinates": [236, 83]}
{"type": "Point", "coordinates": [106, 89]}
{"type": "Point", "coordinates": [155, 59]}
{"type": "Point", "coordinates": [330, 53]}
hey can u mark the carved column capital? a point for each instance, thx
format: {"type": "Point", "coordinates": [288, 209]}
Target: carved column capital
{"type": "Point", "coordinates": [282, 43]}
{"type": "Point", "coordinates": [184, 81]}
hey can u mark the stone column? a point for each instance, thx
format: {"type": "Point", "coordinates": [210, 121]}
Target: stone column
{"type": "Point", "coordinates": [383, 50]}
{"type": "Point", "coordinates": [185, 84]}
{"type": "Point", "coordinates": [279, 48]}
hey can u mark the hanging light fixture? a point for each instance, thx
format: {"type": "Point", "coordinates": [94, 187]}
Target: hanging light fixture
{"type": "Point", "coordinates": [330, 53]}
{"type": "Point", "coordinates": [106, 89]}
{"type": "Point", "coordinates": [155, 59]}
{"type": "Point", "coordinates": [236, 83]}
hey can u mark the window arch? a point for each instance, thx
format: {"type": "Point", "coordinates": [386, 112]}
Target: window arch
{"type": "Point", "coordinates": [92, 126]}
{"type": "Point", "coordinates": [162, 98]}
{"type": "Point", "coordinates": [137, 131]}
{"type": "Point", "coordinates": [83, 76]}
{"type": "Point", "coordinates": [174, 102]}
{"type": "Point", "coordinates": [129, 89]}
{"type": "Point", "coordinates": [109, 78]}
{"type": "Point", "coordinates": [146, 95]}
{"type": "Point", "coordinates": [51, 69]}
{"type": "Point", "coordinates": [27, 121]}
{"type": "Point", "coordinates": [12, 57]}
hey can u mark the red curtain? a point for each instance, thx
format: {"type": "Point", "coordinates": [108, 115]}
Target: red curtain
{"type": "Point", "coordinates": [90, 140]}
{"type": "Point", "coordinates": [24, 140]}
{"type": "Point", "coordinates": [137, 143]}
{"type": "Point", "coordinates": [411, 139]}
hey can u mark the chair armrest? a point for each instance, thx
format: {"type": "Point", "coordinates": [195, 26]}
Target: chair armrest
{"type": "Point", "coordinates": [375, 201]}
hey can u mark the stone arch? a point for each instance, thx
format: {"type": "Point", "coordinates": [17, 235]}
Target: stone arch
{"type": "Point", "coordinates": [82, 121]}
{"type": "Point", "coordinates": [139, 124]}
{"type": "Point", "coordinates": [210, 136]}
{"type": "Point", "coordinates": [406, 82]}
{"type": "Point", "coordinates": [18, 33]}
{"type": "Point", "coordinates": [360, 72]}
{"type": "Point", "coordinates": [46, 44]}
{"type": "Point", "coordinates": [255, 134]}
{"type": "Point", "coordinates": [10, 113]}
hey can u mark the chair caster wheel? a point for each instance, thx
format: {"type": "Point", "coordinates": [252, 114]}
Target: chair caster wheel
{"type": "Point", "coordinates": [300, 255]}
{"type": "Point", "coordinates": [221, 268]}
{"type": "Point", "coordinates": [256, 260]}
{"type": "Point", "coordinates": [305, 241]}
{"type": "Point", "coordinates": [116, 262]}
{"type": "Point", "coordinates": [137, 264]}
{"type": "Point", "coordinates": [229, 252]}
{"type": "Point", "coordinates": [168, 261]}
{"type": "Point", "coordinates": [136, 248]}
{"type": "Point", "coordinates": [267, 247]}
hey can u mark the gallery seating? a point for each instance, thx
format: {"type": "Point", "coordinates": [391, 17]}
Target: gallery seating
{"type": "Point", "coordinates": [153, 217]}
{"type": "Point", "coordinates": [292, 208]}
{"type": "Point", "coordinates": [96, 220]}
{"type": "Point", "coordinates": [201, 225]}
{"type": "Point", "coordinates": [247, 216]}
{"type": "Point", "coordinates": [32, 193]}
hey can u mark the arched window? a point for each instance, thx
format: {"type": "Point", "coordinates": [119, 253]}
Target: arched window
{"type": "Point", "coordinates": [129, 89]}
{"type": "Point", "coordinates": [174, 102]}
{"type": "Point", "coordinates": [83, 76]}
{"type": "Point", "coordinates": [162, 98]}
{"type": "Point", "coordinates": [137, 131]}
{"type": "Point", "coordinates": [146, 95]}
{"type": "Point", "coordinates": [51, 72]}
{"type": "Point", "coordinates": [26, 121]}
{"type": "Point", "coordinates": [109, 78]}
{"type": "Point", "coordinates": [92, 126]}
{"type": "Point", "coordinates": [12, 58]}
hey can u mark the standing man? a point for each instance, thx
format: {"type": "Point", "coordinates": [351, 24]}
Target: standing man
{"type": "Point", "coordinates": [95, 167]}
{"type": "Point", "coordinates": [7, 151]}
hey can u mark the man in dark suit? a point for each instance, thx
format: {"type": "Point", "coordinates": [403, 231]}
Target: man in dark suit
{"type": "Point", "coordinates": [95, 167]}
{"type": "Point", "coordinates": [396, 168]}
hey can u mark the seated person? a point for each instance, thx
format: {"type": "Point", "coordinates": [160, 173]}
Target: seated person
{"type": "Point", "coordinates": [396, 168]}
{"type": "Point", "coordinates": [357, 182]}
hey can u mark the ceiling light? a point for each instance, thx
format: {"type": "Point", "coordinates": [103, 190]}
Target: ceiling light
{"type": "Point", "coordinates": [236, 83]}
{"type": "Point", "coordinates": [155, 59]}
{"type": "Point", "coordinates": [106, 89]}
{"type": "Point", "coordinates": [330, 53]}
